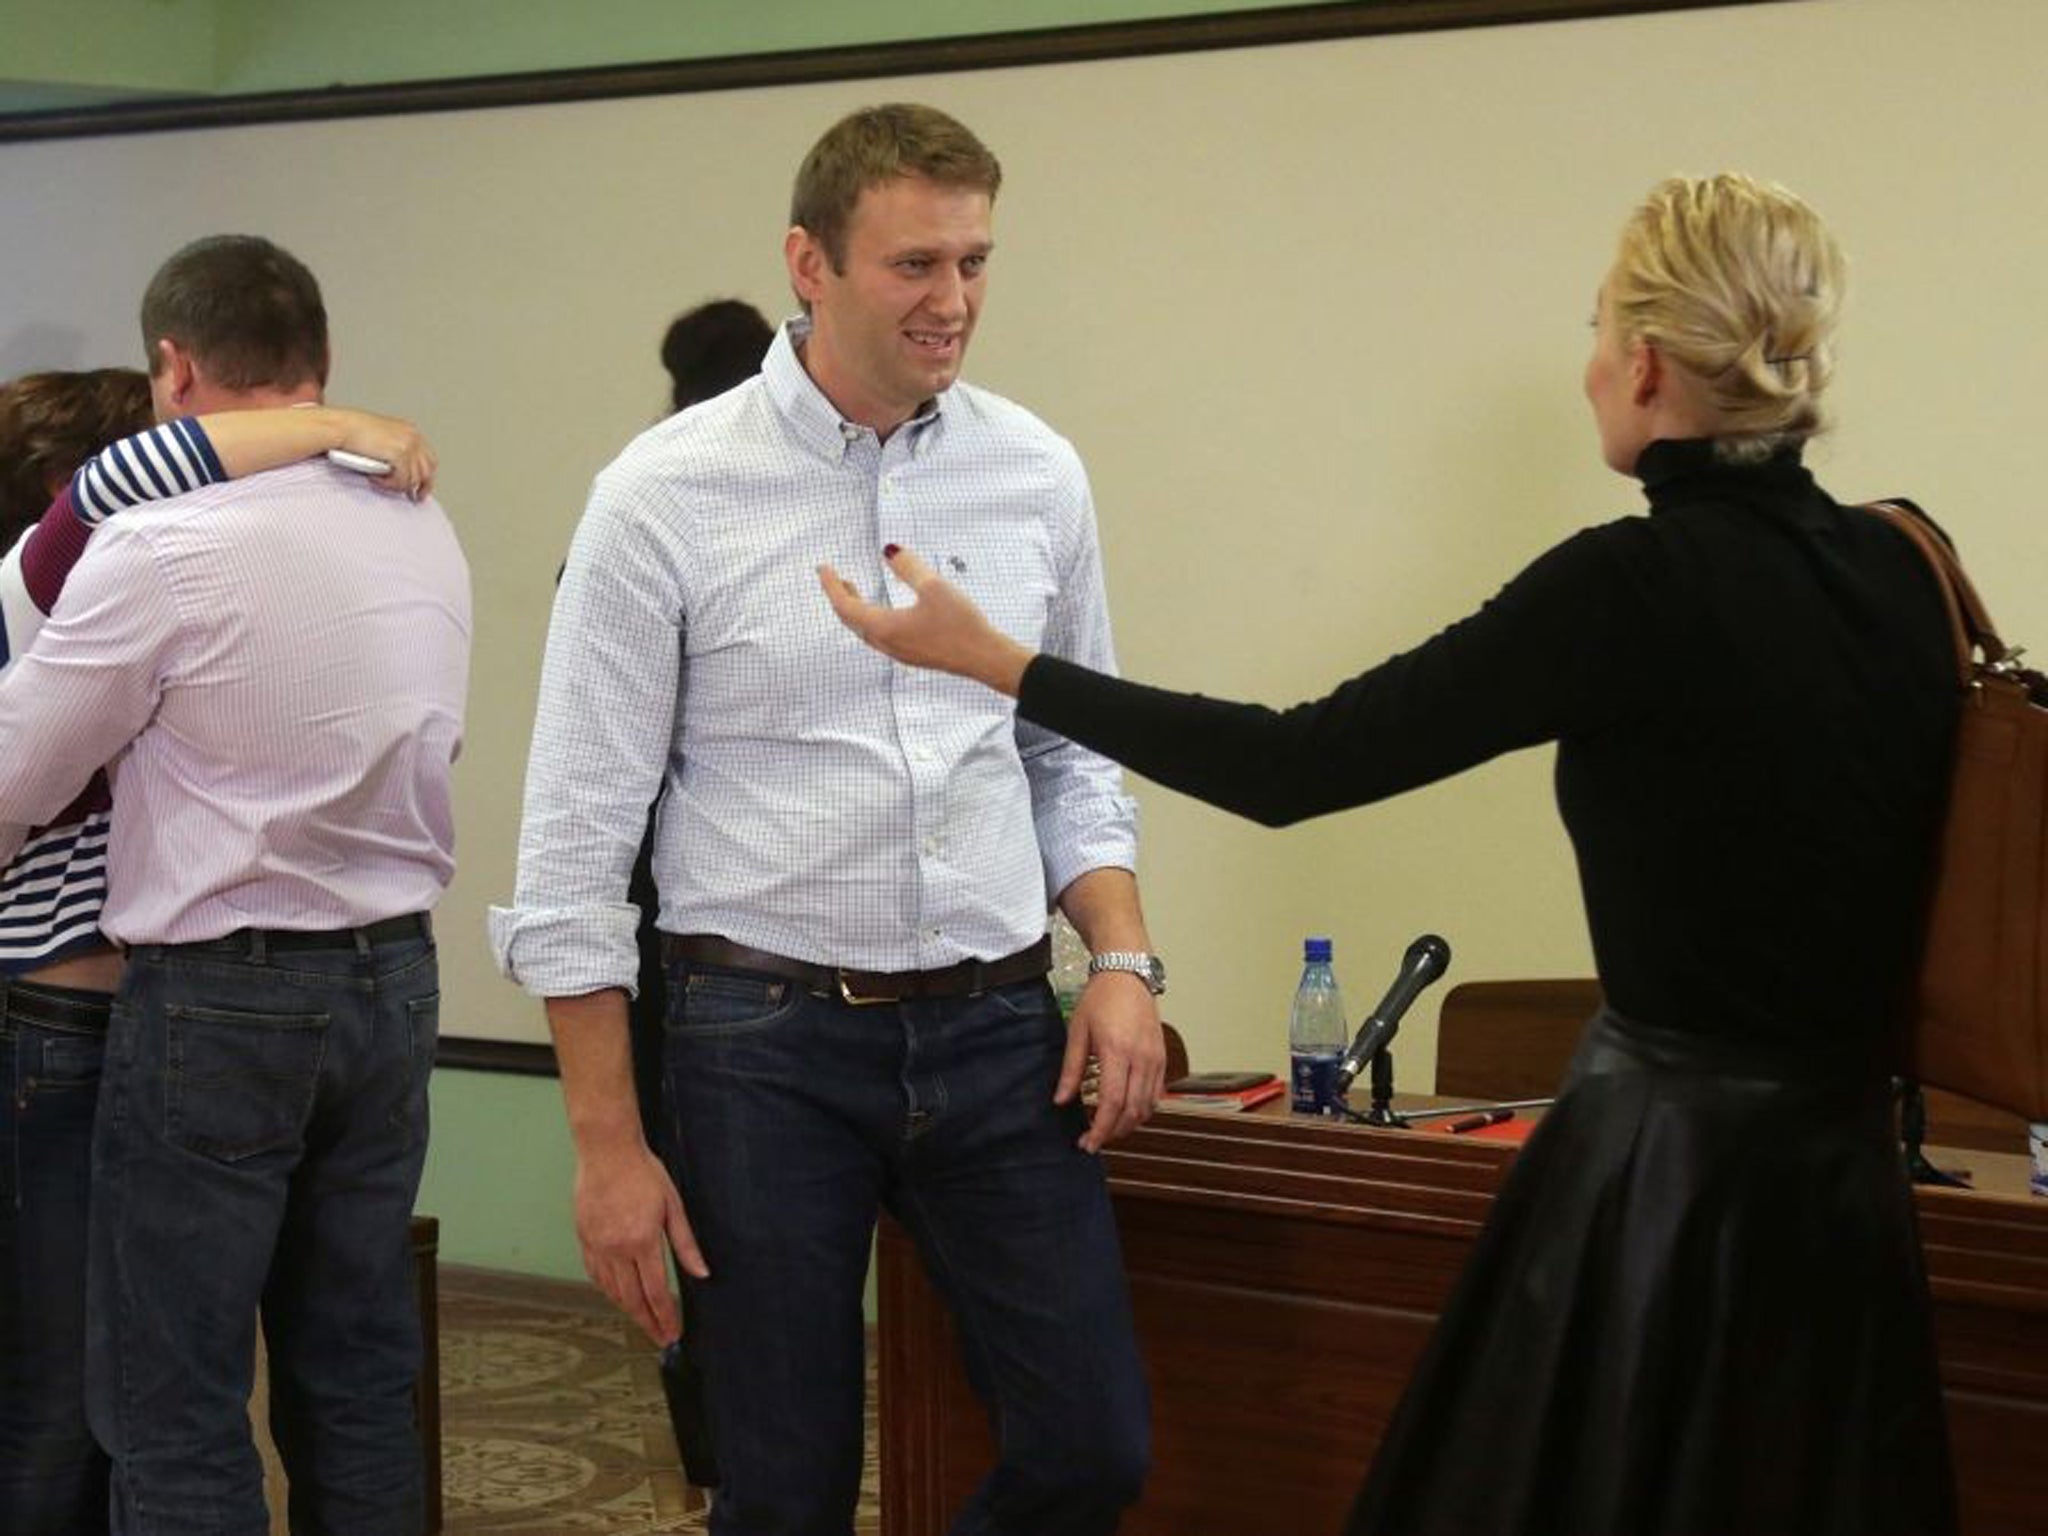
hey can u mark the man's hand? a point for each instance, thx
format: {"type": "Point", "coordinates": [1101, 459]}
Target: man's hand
{"type": "Point", "coordinates": [1117, 1021]}
{"type": "Point", "coordinates": [625, 1201]}
{"type": "Point", "coordinates": [625, 1205]}
{"type": "Point", "coordinates": [941, 630]}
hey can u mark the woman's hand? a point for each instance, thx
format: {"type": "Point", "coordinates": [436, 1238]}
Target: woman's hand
{"type": "Point", "coordinates": [396, 442]}
{"type": "Point", "coordinates": [942, 630]}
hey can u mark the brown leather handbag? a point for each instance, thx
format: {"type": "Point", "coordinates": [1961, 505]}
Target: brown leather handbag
{"type": "Point", "coordinates": [1980, 1022]}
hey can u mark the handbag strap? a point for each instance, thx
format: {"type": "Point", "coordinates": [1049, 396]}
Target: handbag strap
{"type": "Point", "coordinates": [1969, 624]}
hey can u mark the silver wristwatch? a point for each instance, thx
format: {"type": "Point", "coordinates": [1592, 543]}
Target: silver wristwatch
{"type": "Point", "coordinates": [1149, 969]}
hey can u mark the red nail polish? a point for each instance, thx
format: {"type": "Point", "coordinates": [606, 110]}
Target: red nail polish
{"type": "Point", "coordinates": [890, 551]}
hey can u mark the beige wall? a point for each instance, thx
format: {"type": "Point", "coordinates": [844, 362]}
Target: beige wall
{"type": "Point", "coordinates": [1314, 315]}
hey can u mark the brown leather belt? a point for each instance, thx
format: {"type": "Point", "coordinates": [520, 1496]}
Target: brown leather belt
{"type": "Point", "coordinates": [859, 987]}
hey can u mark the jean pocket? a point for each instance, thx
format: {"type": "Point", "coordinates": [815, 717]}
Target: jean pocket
{"type": "Point", "coordinates": [1030, 998]}
{"type": "Point", "coordinates": [720, 1002]}
{"type": "Point", "coordinates": [66, 1063]}
{"type": "Point", "coordinates": [240, 1084]}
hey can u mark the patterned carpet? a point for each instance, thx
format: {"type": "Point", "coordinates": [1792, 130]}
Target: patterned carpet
{"type": "Point", "coordinates": [552, 1420]}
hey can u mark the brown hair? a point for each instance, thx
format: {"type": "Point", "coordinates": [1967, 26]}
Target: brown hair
{"type": "Point", "coordinates": [1737, 282]}
{"type": "Point", "coordinates": [50, 423]}
{"type": "Point", "coordinates": [248, 310]}
{"type": "Point", "coordinates": [877, 145]}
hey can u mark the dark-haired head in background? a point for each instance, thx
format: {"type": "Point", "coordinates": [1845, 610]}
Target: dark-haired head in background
{"type": "Point", "coordinates": [709, 349]}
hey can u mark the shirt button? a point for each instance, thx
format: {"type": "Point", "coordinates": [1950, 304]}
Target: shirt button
{"type": "Point", "coordinates": [934, 933]}
{"type": "Point", "coordinates": [920, 754]}
{"type": "Point", "coordinates": [931, 847]}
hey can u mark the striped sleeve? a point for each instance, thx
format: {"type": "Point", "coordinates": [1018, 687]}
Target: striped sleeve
{"type": "Point", "coordinates": [167, 460]}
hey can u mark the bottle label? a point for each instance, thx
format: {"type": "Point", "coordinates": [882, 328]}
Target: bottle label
{"type": "Point", "coordinates": [2037, 1147]}
{"type": "Point", "coordinates": [1313, 1075]}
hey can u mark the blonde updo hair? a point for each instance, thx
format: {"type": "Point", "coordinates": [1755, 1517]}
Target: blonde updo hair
{"type": "Point", "coordinates": [1738, 283]}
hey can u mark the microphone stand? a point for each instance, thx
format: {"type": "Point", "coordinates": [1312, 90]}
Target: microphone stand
{"type": "Point", "coordinates": [1381, 1111]}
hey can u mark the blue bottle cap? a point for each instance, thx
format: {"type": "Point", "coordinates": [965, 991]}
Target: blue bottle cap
{"type": "Point", "coordinates": [1313, 950]}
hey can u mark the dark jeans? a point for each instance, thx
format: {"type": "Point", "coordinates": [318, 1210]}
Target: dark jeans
{"type": "Point", "coordinates": [795, 1118]}
{"type": "Point", "coordinates": [261, 1133]}
{"type": "Point", "coordinates": [53, 1477]}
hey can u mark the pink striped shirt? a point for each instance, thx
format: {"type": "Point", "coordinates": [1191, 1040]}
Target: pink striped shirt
{"type": "Point", "coordinates": [276, 669]}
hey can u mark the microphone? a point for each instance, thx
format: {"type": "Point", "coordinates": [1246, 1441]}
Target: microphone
{"type": "Point", "coordinates": [1427, 958]}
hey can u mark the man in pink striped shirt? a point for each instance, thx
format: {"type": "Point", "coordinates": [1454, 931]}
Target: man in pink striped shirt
{"type": "Point", "coordinates": [276, 669]}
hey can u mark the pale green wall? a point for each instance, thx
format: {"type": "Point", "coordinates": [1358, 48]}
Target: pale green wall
{"type": "Point", "coordinates": [283, 44]}
{"type": "Point", "coordinates": [105, 48]}
{"type": "Point", "coordinates": [498, 1173]}
{"type": "Point", "coordinates": [60, 53]}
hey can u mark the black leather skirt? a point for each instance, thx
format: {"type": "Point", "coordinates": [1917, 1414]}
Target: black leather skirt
{"type": "Point", "coordinates": [1698, 1309]}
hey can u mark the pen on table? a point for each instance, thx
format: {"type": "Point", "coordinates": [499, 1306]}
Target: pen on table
{"type": "Point", "coordinates": [1485, 1117]}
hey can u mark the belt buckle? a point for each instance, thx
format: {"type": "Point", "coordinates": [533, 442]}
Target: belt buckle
{"type": "Point", "coordinates": [852, 998]}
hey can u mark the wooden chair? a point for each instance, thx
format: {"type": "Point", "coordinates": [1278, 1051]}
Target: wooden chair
{"type": "Point", "coordinates": [1510, 1039]}
{"type": "Point", "coordinates": [1514, 1039]}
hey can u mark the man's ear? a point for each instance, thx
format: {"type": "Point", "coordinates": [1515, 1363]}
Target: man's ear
{"type": "Point", "coordinates": [174, 373]}
{"type": "Point", "coordinates": [805, 256]}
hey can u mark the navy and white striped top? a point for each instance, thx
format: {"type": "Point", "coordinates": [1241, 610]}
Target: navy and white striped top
{"type": "Point", "coordinates": [54, 883]}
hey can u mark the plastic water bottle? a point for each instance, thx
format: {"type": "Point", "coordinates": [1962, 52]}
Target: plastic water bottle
{"type": "Point", "coordinates": [1316, 1031]}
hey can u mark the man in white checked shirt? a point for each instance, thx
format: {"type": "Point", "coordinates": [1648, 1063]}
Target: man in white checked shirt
{"type": "Point", "coordinates": [276, 667]}
{"type": "Point", "coordinates": [855, 864]}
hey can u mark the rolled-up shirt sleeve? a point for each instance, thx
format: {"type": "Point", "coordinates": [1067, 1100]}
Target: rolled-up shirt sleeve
{"type": "Point", "coordinates": [89, 683]}
{"type": "Point", "coordinates": [609, 692]}
{"type": "Point", "coordinates": [1083, 818]}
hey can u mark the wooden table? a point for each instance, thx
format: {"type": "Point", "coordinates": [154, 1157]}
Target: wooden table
{"type": "Point", "coordinates": [1285, 1274]}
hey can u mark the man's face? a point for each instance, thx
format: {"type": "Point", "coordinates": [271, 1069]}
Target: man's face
{"type": "Point", "coordinates": [891, 331]}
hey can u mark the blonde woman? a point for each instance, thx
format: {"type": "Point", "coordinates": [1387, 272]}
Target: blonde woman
{"type": "Point", "coordinates": [1699, 1306]}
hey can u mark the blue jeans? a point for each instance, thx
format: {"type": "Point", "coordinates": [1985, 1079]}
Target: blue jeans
{"type": "Point", "coordinates": [53, 1477]}
{"type": "Point", "coordinates": [261, 1133]}
{"type": "Point", "coordinates": [794, 1119]}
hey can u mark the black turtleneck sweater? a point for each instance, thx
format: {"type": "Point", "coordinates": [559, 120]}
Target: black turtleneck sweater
{"type": "Point", "coordinates": [1753, 694]}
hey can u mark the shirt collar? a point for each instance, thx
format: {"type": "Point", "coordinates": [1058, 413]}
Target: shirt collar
{"type": "Point", "coordinates": [814, 419]}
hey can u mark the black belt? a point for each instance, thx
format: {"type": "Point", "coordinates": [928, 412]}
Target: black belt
{"type": "Point", "coordinates": [249, 941]}
{"type": "Point", "coordinates": [74, 1009]}
{"type": "Point", "coordinates": [962, 980]}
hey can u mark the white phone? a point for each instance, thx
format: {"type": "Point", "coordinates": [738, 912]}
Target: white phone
{"type": "Point", "coordinates": [361, 463]}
